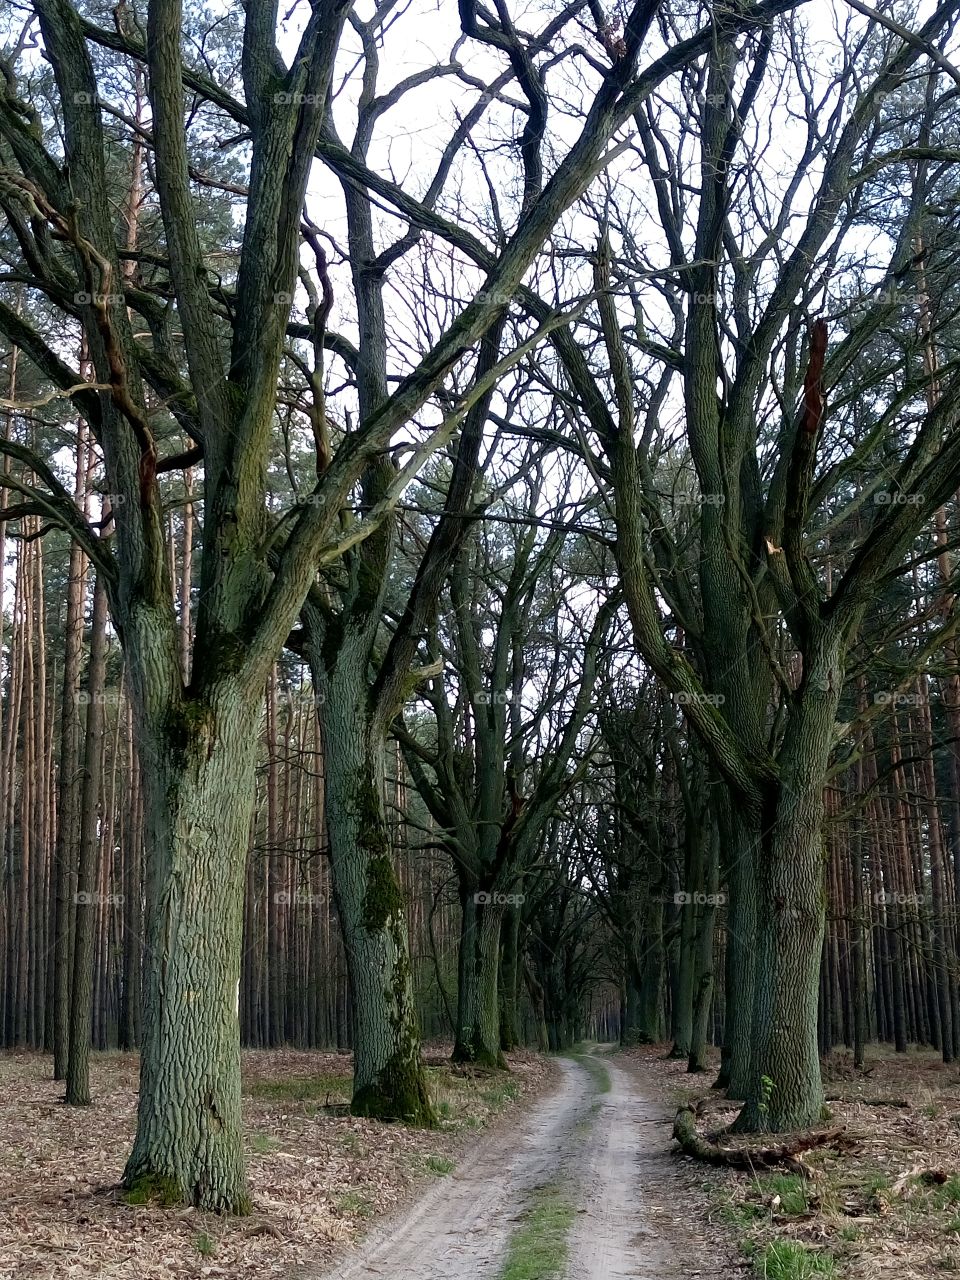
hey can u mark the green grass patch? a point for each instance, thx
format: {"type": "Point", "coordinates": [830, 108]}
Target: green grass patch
{"type": "Point", "coordinates": [500, 1094]}
{"type": "Point", "coordinates": [741, 1213]}
{"type": "Point", "coordinates": [789, 1260]}
{"type": "Point", "coordinates": [792, 1190]}
{"type": "Point", "coordinates": [597, 1071]}
{"type": "Point", "coordinates": [206, 1245]}
{"type": "Point", "coordinates": [302, 1088]}
{"type": "Point", "coordinates": [538, 1246]}
{"type": "Point", "coordinates": [356, 1204]}
{"type": "Point", "coordinates": [263, 1145]}
{"type": "Point", "coordinates": [947, 1195]}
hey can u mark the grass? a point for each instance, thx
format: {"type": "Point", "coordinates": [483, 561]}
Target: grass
{"type": "Point", "coordinates": [206, 1245]}
{"type": "Point", "coordinates": [440, 1165]}
{"type": "Point", "coordinates": [503, 1092]}
{"type": "Point", "coordinates": [788, 1260]}
{"type": "Point", "coordinates": [538, 1247]}
{"type": "Point", "coordinates": [596, 1070]}
{"type": "Point", "coordinates": [791, 1189]}
{"type": "Point", "coordinates": [302, 1088]}
{"type": "Point", "coordinates": [356, 1204]}
{"type": "Point", "coordinates": [947, 1195]}
{"type": "Point", "coordinates": [263, 1145]}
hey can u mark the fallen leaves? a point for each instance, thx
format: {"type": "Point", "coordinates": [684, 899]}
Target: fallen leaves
{"type": "Point", "coordinates": [317, 1179]}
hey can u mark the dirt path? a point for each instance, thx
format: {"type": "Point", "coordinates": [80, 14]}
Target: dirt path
{"type": "Point", "coordinates": [606, 1148]}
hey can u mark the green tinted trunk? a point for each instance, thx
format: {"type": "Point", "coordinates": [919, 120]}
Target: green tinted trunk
{"type": "Point", "coordinates": [389, 1079]}
{"type": "Point", "coordinates": [478, 1008]}
{"type": "Point", "coordinates": [199, 784]}
{"type": "Point", "coordinates": [786, 1087]}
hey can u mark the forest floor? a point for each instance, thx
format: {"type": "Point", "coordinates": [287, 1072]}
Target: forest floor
{"type": "Point", "coordinates": [887, 1208]}
{"type": "Point", "coordinates": [318, 1177]}
{"type": "Point", "coordinates": [586, 1190]}
{"type": "Point", "coordinates": [563, 1167]}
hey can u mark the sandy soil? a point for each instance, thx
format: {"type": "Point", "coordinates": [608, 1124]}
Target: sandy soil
{"type": "Point", "coordinates": [608, 1149]}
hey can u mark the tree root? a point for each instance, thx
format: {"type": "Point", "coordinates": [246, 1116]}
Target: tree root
{"type": "Point", "coordinates": [742, 1157]}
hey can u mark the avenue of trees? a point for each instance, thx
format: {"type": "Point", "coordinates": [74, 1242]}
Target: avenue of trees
{"type": "Point", "coordinates": [478, 526]}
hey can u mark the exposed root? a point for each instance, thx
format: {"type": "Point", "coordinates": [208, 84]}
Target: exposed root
{"type": "Point", "coordinates": [745, 1157]}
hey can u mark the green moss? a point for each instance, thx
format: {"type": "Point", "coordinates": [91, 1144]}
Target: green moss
{"type": "Point", "coordinates": [471, 1048]}
{"type": "Point", "coordinates": [190, 723]}
{"type": "Point", "coordinates": [332, 642]}
{"type": "Point", "coordinates": [398, 1093]}
{"type": "Point", "coordinates": [369, 583]}
{"type": "Point", "coordinates": [383, 899]}
{"type": "Point", "coordinates": [154, 1188]}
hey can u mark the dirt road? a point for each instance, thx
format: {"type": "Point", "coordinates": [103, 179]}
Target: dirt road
{"type": "Point", "coordinates": [607, 1149]}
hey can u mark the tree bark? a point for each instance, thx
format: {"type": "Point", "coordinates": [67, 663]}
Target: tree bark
{"type": "Point", "coordinates": [88, 878]}
{"type": "Point", "coordinates": [786, 1087]}
{"type": "Point", "coordinates": [389, 1079]}
{"type": "Point", "coordinates": [199, 787]}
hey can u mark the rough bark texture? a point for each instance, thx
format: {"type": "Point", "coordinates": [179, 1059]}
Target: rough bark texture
{"type": "Point", "coordinates": [199, 784]}
{"type": "Point", "coordinates": [478, 1006]}
{"type": "Point", "coordinates": [389, 1080]}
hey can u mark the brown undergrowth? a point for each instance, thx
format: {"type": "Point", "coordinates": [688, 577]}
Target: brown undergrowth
{"type": "Point", "coordinates": [318, 1176]}
{"type": "Point", "coordinates": [887, 1206]}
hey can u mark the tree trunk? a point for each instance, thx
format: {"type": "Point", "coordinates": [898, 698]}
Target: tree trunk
{"type": "Point", "coordinates": [787, 1089]}
{"type": "Point", "coordinates": [703, 960]}
{"type": "Point", "coordinates": [389, 1080]}
{"type": "Point", "coordinates": [88, 877]}
{"type": "Point", "coordinates": [509, 980]}
{"type": "Point", "coordinates": [740, 831]}
{"type": "Point", "coordinates": [478, 1013]}
{"type": "Point", "coordinates": [199, 785]}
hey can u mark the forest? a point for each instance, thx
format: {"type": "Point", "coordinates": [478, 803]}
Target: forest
{"type": "Point", "coordinates": [479, 644]}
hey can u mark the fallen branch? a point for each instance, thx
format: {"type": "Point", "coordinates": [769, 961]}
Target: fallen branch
{"type": "Point", "coordinates": [743, 1157]}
